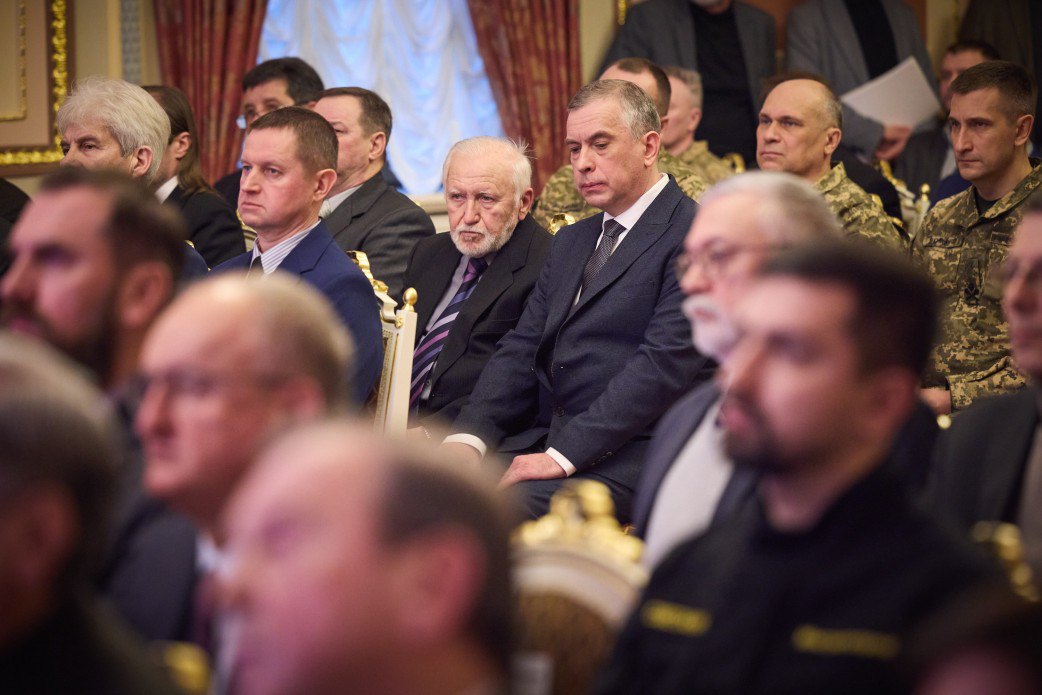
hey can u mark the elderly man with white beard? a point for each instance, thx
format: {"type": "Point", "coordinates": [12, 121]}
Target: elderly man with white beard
{"type": "Point", "coordinates": [474, 281]}
{"type": "Point", "coordinates": [688, 482]}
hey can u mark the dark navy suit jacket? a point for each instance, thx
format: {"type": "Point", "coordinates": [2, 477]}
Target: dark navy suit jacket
{"type": "Point", "coordinates": [324, 265]}
{"type": "Point", "coordinates": [598, 372]}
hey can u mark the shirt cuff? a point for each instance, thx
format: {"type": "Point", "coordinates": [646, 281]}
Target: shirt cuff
{"type": "Point", "coordinates": [468, 439]}
{"type": "Point", "coordinates": [561, 460]}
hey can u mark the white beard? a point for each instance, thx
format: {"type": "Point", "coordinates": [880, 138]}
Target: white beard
{"type": "Point", "coordinates": [711, 331]}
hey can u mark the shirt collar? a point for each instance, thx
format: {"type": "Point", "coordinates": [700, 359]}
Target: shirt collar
{"type": "Point", "coordinates": [631, 215]}
{"type": "Point", "coordinates": [271, 258]}
{"type": "Point", "coordinates": [164, 191]}
{"type": "Point", "coordinates": [333, 202]}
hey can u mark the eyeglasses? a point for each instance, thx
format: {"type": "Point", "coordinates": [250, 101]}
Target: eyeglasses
{"type": "Point", "coordinates": [197, 384]}
{"type": "Point", "coordinates": [714, 261]}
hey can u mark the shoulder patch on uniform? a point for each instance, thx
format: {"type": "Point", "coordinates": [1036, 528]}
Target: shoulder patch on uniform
{"type": "Point", "coordinates": [828, 642]}
{"type": "Point", "coordinates": [676, 618]}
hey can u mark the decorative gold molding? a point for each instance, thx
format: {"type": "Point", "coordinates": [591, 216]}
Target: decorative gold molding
{"type": "Point", "coordinates": [57, 21]}
{"type": "Point", "coordinates": [620, 11]}
{"type": "Point", "coordinates": [23, 81]}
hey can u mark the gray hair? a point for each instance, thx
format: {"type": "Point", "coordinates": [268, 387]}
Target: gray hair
{"type": "Point", "coordinates": [501, 150]}
{"type": "Point", "coordinates": [57, 429]}
{"type": "Point", "coordinates": [637, 110]}
{"type": "Point", "coordinates": [691, 79]}
{"type": "Point", "coordinates": [789, 209]}
{"type": "Point", "coordinates": [130, 113]}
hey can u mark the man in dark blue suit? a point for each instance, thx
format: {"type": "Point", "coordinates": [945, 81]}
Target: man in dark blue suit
{"type": "Point", "coordinates": [288, 168]}
{"type": "Point", "coordinates": [602, 348]}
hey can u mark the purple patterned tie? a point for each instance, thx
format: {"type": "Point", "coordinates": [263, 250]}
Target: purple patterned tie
{"type": "Point", "coordinates": [426, 353]}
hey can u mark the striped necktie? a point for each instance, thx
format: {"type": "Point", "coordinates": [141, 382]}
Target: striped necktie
{"type": "Point", "coordinates": [612, 230]}
{"type": "Point", "coordinates": [426, 353]}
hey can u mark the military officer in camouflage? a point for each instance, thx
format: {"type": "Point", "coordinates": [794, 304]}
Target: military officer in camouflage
{"type": "Point", "coordinates": [561, 203]}
{"type": "Point", "coordinates": [678, 130]}
{"type": "Point", "coordinates": [964, 240]}
{"type": "Point", "coordinates": [800, 127]}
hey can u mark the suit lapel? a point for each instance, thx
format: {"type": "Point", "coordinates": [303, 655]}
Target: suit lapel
{"type": "Point", "coordinates": [581, 241]}
{"type": "Point", "coordinates": [304, 257]}
{"type": "Point", "coordinates": [355, 206]}
{"type": "Point", "coordinates": [845, 38]}
{"type": "Point", "coordinates": [431, 286]}
{"type": "Point", "coordinates": [651, 225]}
{"type": "Point", "coordinates": [1007, 458]}
{"type": "Point", "coordinates": [495, 280]}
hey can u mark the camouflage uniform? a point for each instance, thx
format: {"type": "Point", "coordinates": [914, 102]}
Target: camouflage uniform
{"type": "Point", "coordinates": [964, 252]}
{"type": "Point", "coordinates": [859, 214]}
{"type": "Point", "coordinates": [561, 196]}
{"type": "Point", "coordinates": [705, 163]}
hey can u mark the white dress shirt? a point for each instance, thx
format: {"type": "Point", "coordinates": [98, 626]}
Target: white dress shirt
{"type": "Point", "coordinates": [164, 191]}
{"type": "Point", "coordinates": [333, 202]}
{"type": "Point", "coordinates": [688, 496]}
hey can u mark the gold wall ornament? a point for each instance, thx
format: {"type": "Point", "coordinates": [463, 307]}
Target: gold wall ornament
{"type": "Point", "coordinates": [21, 79]}
{"type": "Point", "coordinates": [41, 154]}
{"type": "Point", "coordinates": [620, 11]}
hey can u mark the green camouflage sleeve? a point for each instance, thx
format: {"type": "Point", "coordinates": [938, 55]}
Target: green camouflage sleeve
{"type": "Point", "coordinates": [872, 224]}
{"type": "Point", "coordinates": [1002, 377]}
{"type": "Point", "coordinates": [559, 195]}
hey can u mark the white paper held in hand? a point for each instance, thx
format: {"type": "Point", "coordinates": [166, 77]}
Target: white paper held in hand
{"type": "Point", "coordinates": [900, 96]}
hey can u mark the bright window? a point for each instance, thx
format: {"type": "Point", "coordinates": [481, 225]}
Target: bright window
{"type": "Point", "coordinates": [419, 55]}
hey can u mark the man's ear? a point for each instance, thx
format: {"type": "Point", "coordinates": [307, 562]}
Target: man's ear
{"type": "Point", "coordinates": [142, 293]}
{"type": "Point", "coordinates": [142, 160]}
{"type": "Point", "coordinates": [324, 182]}
{"type": "Point", "coordinates": [890, 397]}
{"type": "Point", "coordinates": [181, 143]}
{"type": "Point", "coordinates": [437, 580]}
{"type": "Point", "coordinates": [693, 119]}
{"type": "Point", "coordinates": [44, 534]}
{"type": "Point", "coordinates": [1024, 125]}
{"type": "Point", "coordinates": [833, 136]}
{"type": "Point", "coordinates": [652, 142]}
{"type": "Point", "coordinates": [377, 145]}
{"type": "Point", "coordinates": [527, 198]}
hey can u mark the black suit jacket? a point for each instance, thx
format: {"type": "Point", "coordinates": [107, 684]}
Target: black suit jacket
{"type": "Point", "coordinates": [663, 31]}
{"type": "Point", "coordinates": [385, 225]}
{"type": "Point", "coordinates": [493, 309]}
{"type": "Point", "coordinates": [980, 460]}
{"type": "Point", "coordinates": [598, 372]}
{"type": "Point", "coordinates": [213, 228]}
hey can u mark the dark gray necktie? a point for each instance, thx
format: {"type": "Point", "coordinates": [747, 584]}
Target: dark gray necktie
{"type": "Point", "coordinates": [255, 266]}
{"type": "Point", "coordinates": [612, 230]}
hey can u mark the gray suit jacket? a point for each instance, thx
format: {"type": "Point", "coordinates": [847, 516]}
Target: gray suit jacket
{"type": "Point", "coordinates": [820, 38]}
{"type": "Point", "coordinates": [663, 32]}
{"type": "Point", "coordinates": [385, 225]}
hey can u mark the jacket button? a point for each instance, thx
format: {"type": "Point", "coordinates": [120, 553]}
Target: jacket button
{"type": "Point", "coordinates": [559, 412]}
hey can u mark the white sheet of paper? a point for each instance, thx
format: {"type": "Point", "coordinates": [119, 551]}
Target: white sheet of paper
{"type": "Point", "coordinates": [900, 96]}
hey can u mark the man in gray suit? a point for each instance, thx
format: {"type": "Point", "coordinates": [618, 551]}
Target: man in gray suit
{"type": "Point", "coordinates": [731, 44]}
{"type": "Point", "coordinates": [362, 212]}
{"type": "Point", "coordinates": [849, 43]}
{"type": "Point", "coordinates": [686, 481]}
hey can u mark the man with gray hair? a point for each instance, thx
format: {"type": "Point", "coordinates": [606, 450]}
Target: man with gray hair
{"type": "Point", "coordinates": [491, 239]}
{"type": "Point", "coordinates": [57, 485]}
{"type": "Point", "coordinates": [687, 481]}
{"type": "Point", "coordinates": [231, 362]}
{"type": "Point", "coordinates": [113, 124]}
{"type": "Point", "coordinates": [800, 127]}
{"type": "Point", "coordinates": [601, 348]}
{"type": "Point", "coordinates": [681, 122]}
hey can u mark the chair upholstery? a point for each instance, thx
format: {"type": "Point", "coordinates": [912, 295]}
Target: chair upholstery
{"type": "Point", "coordinates": [578, 578]}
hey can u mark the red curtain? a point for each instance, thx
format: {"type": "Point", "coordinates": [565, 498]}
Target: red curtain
{"type": "Point", "coordinates": [531, 54]}
{"type": "Point", "coordinates": [205, 48]}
